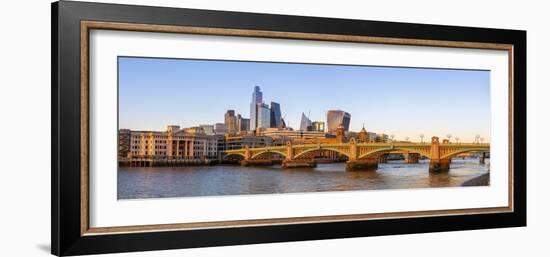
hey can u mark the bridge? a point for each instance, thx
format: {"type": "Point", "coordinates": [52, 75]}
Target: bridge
{"type": "Point", "coordinates": [360, 156]}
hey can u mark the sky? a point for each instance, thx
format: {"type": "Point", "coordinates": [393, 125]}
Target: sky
{"type": "Point", "coordinates": [405, 102]}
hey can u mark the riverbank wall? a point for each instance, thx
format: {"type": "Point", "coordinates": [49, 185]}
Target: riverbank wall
{"type": "Point", "coordinates": [166, 162]}
{"type": "Point", "coordinates": [482, 180]}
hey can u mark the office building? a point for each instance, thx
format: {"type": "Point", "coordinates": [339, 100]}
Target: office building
{"type": "Point", "coordinates": [230, 121]}
{"type": "Point", "coordinates": [371, 137]}
{"type": "Point", "coordinates": [243, 124]}
{"type": "Point", "coordinates": [239, 142]}
{"type": "Point", "coordinates": [335, 118]}
{"type": "Point", "coordinates": [263, 116]}
{"type": "Point", "coordinates": [257, 98]}
{"type": "Point", "coordinates": [208, 129]}
{"type": "Point", "coordinates": [318, 126]}
{"type": "Point", "coordinates": [277, 133]}
{"type": "Point", "coordinates": [276, 119]}
{"type": "Point", "coordinates": [123, 142]}
{"type": "Point", "coordinates": [305, 123]}
{"type": "Point", "coordinates": [220, 128]}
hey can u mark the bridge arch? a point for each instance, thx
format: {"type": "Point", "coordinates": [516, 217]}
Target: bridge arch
{"type": "Point", "coordinates": [258, 154]}
{"type": "Point", "coordinates": [321, 149]}
{"type": "Point", "coordinates": [234, 154]}
{"type": "Point", "coordinates": [467, 150]}
{"type": "Point", "coordinates": [396, 149]}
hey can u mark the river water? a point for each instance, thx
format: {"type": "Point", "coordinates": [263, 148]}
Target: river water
{"type": "Point", "coordinates": [160, 182]}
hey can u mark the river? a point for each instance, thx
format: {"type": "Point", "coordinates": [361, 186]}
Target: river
{"type": "Point", "coordinates": [160, 182]}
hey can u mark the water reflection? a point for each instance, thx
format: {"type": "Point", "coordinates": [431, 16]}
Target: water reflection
{"type": "Point", "coordinates": [156, 182]}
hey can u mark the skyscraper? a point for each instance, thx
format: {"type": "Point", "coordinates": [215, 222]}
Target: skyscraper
{"type": "Point", "coordinates": [256, 99]}
{"type": "Point", "coordinates": [264, 116]}
{"type": "Point", "coordinates": [276, 121]}
{"type": "Point", "coordinates": [337, 117]}
{"type": "Point", "coordinates": [230, 122]}
{"type": "Point", "coordinates": [305, 123]}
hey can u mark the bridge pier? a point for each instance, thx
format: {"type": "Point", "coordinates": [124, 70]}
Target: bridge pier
{"type": "Point", "coordinates": [383, 158]}
{"type": "Point", "coordinates": [441, 165]}
{"type": "Point", "coordinates": [436, 163]}
{"type": "Point", "coordinates": [482, 158]}
{"type": "Point", "coordinates": [412, 158]}
{"type": "Point", "coordinates": [369, 164]}
{"type": "Point", "coordinates": [260, 162]}
{"type": "Point", "coordinates": [290, 164]}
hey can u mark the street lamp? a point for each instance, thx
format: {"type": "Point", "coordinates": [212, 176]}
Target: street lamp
{"type": "Point", "coordinates": [449, 137]}
{"type": "Point", "coordinates": [392, 136]}
{"type": "Point", "coordinates": [457, 138]}
{"type": "Point", "coordinates": [477, 139]}
{"type": "Point", "coordinates": [421, 138]}
{"type": "Point", "coordinates": [407, 139]}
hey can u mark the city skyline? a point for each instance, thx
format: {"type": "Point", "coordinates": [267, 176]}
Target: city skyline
{"type": "Point", "coordinates": [406, 102]}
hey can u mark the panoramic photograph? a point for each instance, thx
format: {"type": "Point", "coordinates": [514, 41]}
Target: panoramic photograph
{"type": "Point", "coordinates": [190, 127]}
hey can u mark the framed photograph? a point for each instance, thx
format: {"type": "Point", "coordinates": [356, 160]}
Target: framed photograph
{"type": "Point", "coordinates": [178, 128]}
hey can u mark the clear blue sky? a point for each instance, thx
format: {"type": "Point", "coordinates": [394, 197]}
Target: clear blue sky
{"type": "Point", "coordinates": [405, 102]}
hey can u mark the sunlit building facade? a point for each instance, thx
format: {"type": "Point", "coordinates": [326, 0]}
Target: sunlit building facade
{"type": "Point", "coordinates": [281, 136]}
{"type": "Point", "coordinates": [174, 143]}
{"type": "Point", "coordinates": [230, 121]}
{"type": "Point", "coordinates": [318, 126]}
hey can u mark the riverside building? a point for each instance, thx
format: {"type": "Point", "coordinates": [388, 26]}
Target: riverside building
{"type": "Point", "coordinates": [174, 143]}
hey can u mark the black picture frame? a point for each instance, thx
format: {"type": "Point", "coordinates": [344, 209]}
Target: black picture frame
{"type": "Point", "coordinates": [66, 234]}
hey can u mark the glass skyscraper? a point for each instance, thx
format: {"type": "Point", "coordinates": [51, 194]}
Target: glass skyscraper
{"type": "Point", "coordinates": [337, 117]}
{"type": "Point", "coordinates": [305, 123]}
{"type": "Point", "coordinates": [256, 99]}
{"type": "Point", "coordinates": [276, 121]}
{"type": "Point", "coordinates": [264, 116]}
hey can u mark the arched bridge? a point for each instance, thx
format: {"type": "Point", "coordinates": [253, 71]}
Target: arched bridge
{"type": "Point", "coordinates": [361, 155]}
